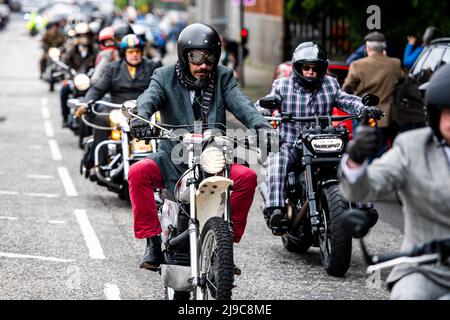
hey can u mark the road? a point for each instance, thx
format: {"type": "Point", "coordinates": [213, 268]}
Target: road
{"type": "Point", "coordinates": [64, 237]}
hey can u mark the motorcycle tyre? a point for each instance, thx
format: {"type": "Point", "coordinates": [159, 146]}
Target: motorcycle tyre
{"type": "Point", "coordinates": [219, 229]}
{"type": "Point", "coordinates": [336, 262]}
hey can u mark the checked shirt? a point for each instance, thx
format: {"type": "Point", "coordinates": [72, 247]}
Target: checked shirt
{"type": "Point", "coordinates": [300, 103]}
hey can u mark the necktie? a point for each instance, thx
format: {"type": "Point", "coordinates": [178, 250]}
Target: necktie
{"type": "Point", "coordinates": [197, 104]}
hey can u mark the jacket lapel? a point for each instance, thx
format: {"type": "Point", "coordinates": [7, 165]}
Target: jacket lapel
{"type": "Point", "coordinates": [185, 102]}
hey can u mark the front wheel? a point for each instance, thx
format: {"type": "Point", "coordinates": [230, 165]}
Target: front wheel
{"type": "Point", "coordinates": [216, 260]}
{"type": "Point", "coordinates": [335, 243]}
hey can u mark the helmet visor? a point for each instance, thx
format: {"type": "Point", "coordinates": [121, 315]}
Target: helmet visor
{"type": "Point", "coordinates": [199, 57]}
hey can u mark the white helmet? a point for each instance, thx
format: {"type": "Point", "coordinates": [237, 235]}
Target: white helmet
{"type": "Point", "coordinates": [82, 28]}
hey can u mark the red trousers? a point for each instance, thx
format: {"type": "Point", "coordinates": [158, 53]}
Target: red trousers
{"type": "Point", "coordinates": [144, 176]}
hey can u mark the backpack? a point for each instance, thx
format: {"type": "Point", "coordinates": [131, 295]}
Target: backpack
{"type": "Point", "coordinates": [408, 103]}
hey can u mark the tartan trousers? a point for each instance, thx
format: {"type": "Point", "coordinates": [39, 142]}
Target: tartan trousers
{"type": "Point", "coordinates": [277, 167]}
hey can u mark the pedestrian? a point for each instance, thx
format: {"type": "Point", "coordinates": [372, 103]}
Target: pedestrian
{"type": "Point", "coordinates": [377, 74]}
{"type": "Point", "coordinates": [413, 49]}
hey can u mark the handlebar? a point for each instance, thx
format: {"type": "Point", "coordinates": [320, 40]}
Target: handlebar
{"type": "Point", "coordinates": [429, 252]}
{"type": "Point", "coordinates": [288, 118]}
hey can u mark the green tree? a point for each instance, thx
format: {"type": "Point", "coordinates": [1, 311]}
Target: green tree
{"type": "Point", "coordinates": [398, 18]}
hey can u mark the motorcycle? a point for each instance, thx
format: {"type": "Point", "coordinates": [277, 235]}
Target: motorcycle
{"type": "Point", "coordinates": [79, 83]}
{"type": "Point", "coordinates": [122, 150]}
{"type": "Point", "coordinates": [314, 205]}
{"type": "Point", "coordinates": [197, 232]}
{"type": "Point", "coordinates": [53, 73]}
{"type": "Point", "coordinates": [437, 251]}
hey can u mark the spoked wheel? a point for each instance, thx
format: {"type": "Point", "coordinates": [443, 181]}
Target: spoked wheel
{"type": "Point", "coordinates": [335, 243]}
{"type": "Point", "coordinates": [216, 260]}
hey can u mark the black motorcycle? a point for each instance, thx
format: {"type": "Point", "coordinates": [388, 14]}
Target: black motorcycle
{"type": "Point", "coordinates": [53, 73]}
{"type": "Point", "coordinates": [315, 206]}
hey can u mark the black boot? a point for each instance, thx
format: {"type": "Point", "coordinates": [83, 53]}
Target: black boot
{"type": "Point", "coordinates": [276, 220]}
{"type": "Point", "coordinates": [153, 256]}
{"type": "Point", "coordinates": [236, 270]}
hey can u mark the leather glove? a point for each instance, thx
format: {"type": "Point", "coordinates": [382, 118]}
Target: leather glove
{"type": "Point", "coordinates": [268, 137]}
{"type": "Point", "coordinates": [372, 112]}
{"type": "Point", "coordinates": [364, 145]}
{"type": "Point", "coordinates": [139, 129]}
{"type": "Point", "coordinates": [81, 110]}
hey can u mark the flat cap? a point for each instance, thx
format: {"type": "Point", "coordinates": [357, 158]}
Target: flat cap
{"type": "Point", "coordinates": [375, 36]}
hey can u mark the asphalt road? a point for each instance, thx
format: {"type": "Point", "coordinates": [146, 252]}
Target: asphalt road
{"type": "Point", "coordinates": [63, 237]}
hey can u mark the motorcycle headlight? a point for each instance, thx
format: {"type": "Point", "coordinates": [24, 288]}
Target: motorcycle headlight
{"type": "Point", "coordinates": [212, 160]}
{"type": "Point", "coordinates": [327, 144]}
{"type": "Point", "coordinates": [82, 82]}
{"type": "Point", "coordinates": [115, 116]}
{"type": "Point", "coordinates": [54, 53]}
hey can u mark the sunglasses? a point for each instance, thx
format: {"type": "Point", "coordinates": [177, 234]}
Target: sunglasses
{"type": "Point", "coordinates": [133, 51]}
{"type": "Point", "coordinates": [307, 68]}
{"type": "Point", "coordinates": [199, 57]}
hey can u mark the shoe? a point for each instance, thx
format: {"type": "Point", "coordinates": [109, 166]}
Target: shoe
{"type": "Point", "coordinates": [236, 270]}
{"type": "Point", "coordinates": [153, 256]}
{"type": "Point", "coordinates": [92, 175]}
{"type": "Point", "coordinates": [65, 124]}
{"type": "Point", "coordinates": [276, 220]}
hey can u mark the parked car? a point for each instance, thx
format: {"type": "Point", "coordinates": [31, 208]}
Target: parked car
{"type": "Point", "coordinates": [409, 112]}
{"type": "Point", "coordinates": [433, 56]}
{"type": "Point", "coordinates": [338, 69]}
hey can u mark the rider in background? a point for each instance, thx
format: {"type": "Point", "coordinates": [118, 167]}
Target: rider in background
{"type": "Point", "coordinates": [108, 52]}
{"type": "Point", "coordinates": [308, 91]}
{"type": "Point", "coordinates": [124, 80]}
{"type": "Point", "coordinates": [417, 168]}
{"type": "Point", "coordinates": [81, 57]}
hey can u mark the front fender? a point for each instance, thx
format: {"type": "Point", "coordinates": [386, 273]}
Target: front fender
{"type": "Point", "coordinates": [209, 197]}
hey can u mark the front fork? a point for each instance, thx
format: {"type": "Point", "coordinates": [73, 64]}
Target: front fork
{"type": "Point", "coordinates": [311, 195]}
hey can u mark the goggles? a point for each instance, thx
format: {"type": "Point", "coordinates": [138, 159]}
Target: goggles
{"type": "Point", "coordinates": [198, 57]}
{"type": "Point", "coordinates": [307, 68]}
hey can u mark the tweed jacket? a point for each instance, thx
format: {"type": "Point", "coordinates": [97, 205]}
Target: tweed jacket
{"type": "Point", "coordinates": [377, 75]}
{"type": "Point", "coordinates": [167, 95]}
{"type": "Point", "coordinates": [416, 168]}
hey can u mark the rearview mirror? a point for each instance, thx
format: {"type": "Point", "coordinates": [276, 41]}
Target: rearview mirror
{"type": "Point", "coordinates": [129, 108]}
{"type": "Point", "coordinates": [269, 103]}
{"type": "Point", "coordinates": [370, 99]}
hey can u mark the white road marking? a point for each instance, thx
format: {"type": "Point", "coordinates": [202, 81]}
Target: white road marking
{"type": "Point", "coordinates": [24, 256]}
{"type": "Point", "coordinates": [40, 176]}
{"type": "Point", "coordinates": [9, 218]}
{"type": "Point", "coordinates": [95, 249]}
{"type": "Point", "coordinates": [54, 149]}
{"type": "Point", "coordinates": [42, 195]}
{"type": "Point", "coordinates": [9, 193]}
{"type": "Point", "coordinates": [112, 292]}
{"type": "Point", "coordinates": [44, 109]}
{"type": "Point", "coordinates": [48, 129]}
{"type": "Point", "coordinates": [35, 146]}
{"type": "Point", "coordinates": [66, 180]}
{"type": "Point", "coordinates": [57, 221]}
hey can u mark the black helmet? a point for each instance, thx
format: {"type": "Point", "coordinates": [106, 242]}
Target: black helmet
{"type": "Point", "coordinates": [198, 36]}
{"type": "Point", "coordinates": [310, 53]}
{"type": "Point", "coordinates": [121, 30]}
{"type": "Point", "coordinates": [437, 97]}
